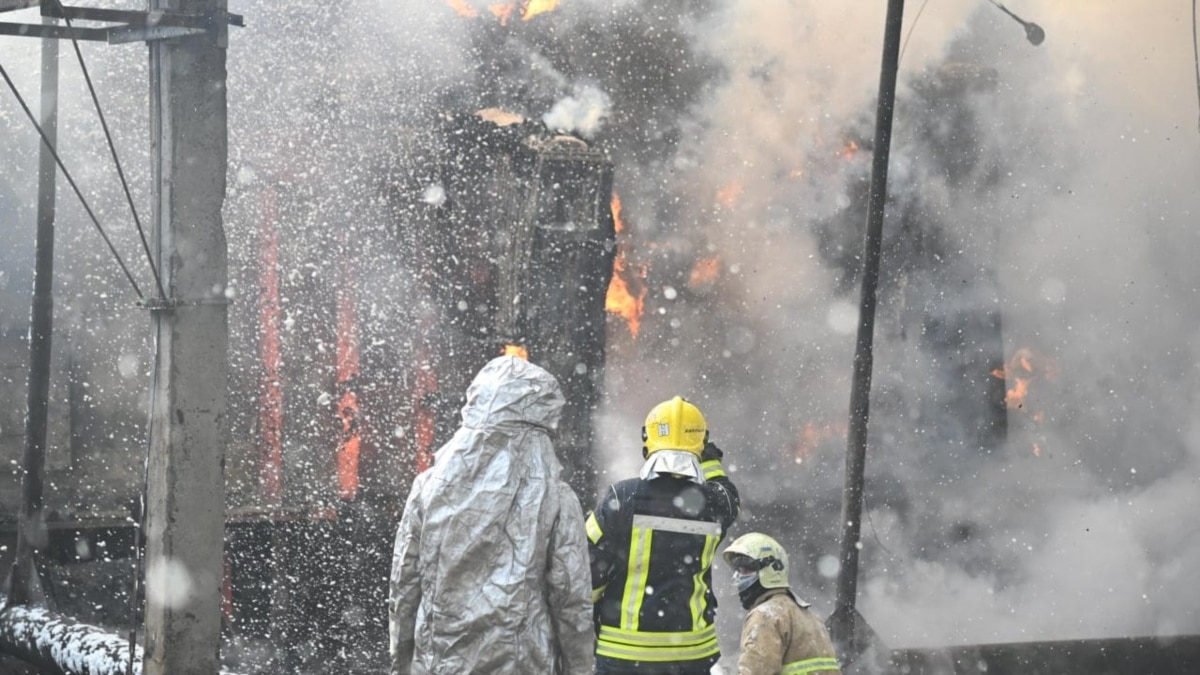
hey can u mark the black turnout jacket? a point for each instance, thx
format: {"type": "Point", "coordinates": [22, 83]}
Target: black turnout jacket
{"type": "Point", "coordinates": [652, 543]}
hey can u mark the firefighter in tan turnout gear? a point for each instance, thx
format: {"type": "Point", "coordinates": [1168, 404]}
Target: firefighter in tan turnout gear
{"type": "Point", "coordinates": [652, 543]}
{"type": "Point", "coordinates": [780, 634]}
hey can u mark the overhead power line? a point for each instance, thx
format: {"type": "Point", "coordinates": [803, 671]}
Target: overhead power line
{"type": "Point", "coordinates": [1196, 56]}
{"type": "Point", "coordinates": [112, 150]}
{"type": "Point", "coordinates": [67, 174]}
{"type": "Point", "coordinates": [911, 28]}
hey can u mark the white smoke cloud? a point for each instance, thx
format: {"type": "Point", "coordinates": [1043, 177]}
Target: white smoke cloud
{"type": "Point", "coordinates": [583, 112]}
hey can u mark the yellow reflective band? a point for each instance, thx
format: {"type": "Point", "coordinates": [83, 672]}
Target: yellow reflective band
{"type": "Point", "coordinates": [712, 469]}
{"type": "Point", "coordinates": [657, 654]}
{"type": "Point", "coordinates": [811, 666]}
{"type": "Point", "coordinates": [699, 588]}
{"type": "Point", "coordinates": [635, 577]}
{"type": "Point", "coordinates": [615, 643]}
{"type": "Point", "coordinates": [598, 593]}
{"type": "Point", "coordinates": [634, 638]}
{"type": "Point", "coordinates": [593, 529]}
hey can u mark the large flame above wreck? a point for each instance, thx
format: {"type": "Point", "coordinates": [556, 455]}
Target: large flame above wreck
{"type": "Point", "coordinates": [626, 296]}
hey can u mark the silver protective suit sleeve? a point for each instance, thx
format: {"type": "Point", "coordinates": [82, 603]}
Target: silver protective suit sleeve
{"type": "Point", "coordinates": [490, 572]}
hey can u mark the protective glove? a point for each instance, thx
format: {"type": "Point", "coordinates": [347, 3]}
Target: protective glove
{"type": "Point", "coordinates": [711, 451]}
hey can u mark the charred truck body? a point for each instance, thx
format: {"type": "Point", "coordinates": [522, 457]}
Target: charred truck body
{"type": "Point", "coordinates": [515, 240]}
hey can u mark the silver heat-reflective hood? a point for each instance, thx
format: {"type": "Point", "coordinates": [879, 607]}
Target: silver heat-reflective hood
{"type": "Point", "coordinates": [490, 571]}
{"type": "Point", "coordinates": [674, 462]}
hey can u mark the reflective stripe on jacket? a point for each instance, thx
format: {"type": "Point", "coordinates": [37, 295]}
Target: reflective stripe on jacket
{"type": "Point", "coordinates": [781, 636]}
{"type": "Point", "coordinates": [817, 665]}
{"type": "Point", "coordinates": [652, 545]}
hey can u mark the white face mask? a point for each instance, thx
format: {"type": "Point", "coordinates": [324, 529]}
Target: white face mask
{"type": "Point", "coordinates": [744, 580]}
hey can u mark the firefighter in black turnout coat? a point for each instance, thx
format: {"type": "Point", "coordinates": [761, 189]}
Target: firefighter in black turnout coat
{"type": "Point", "coordinates": [652, 541]}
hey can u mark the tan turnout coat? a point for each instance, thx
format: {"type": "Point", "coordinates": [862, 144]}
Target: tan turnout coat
{"type": "Point", "coordinates": [781, 631]}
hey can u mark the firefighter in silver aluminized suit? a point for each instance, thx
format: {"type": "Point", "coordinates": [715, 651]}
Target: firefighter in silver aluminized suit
{"type": "Point", "coordinates": [490, 572]}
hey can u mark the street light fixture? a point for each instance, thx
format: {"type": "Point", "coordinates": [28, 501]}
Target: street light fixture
{"type": "Point", "coordinates": [1033, 32]}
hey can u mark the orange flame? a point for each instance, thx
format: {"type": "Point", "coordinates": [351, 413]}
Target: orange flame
{"type": "Point", "coordinates": [270, 410]}
{"type": "Point", "coordinates": [347, 370]}
{"type": "Point", "coordinates": [462, 8]}
{"type": "Point", "coordinates": [1015, 397]}
{"type": "Point", "coordinates": [515, 350]}
{"type": "Point", "coordinates": [532, 8]}
{"type": "Point", "coordinates": [526, 9]}
{"type": "Point", "coordinates": [704, 272]}
{"type": "Point", "coordinates": [1022, 369]}
{"type": "Point", "coordinates": [729, 194]}
{"type": "Point", "coordinates": [812, 436]}
{"type": "Point", "coordinates": [425, 389]}
{"type": "Point", "coordinates": [347, 455]}
{"type": "Point", "coordinates": [620, 300]}
{"type": "Point", "coordinates": [848, 151]}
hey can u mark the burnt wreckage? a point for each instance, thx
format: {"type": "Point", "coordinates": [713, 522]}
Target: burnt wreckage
{"type": "Point", "coordinates": [514, 238]}
{"type": "Point", "coordinates": [505, 232]}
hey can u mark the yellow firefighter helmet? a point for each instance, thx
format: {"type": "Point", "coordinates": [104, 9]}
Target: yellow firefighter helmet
{"type": "Point", "coordinates": [674, 425]}
{"type": "Point", "coordinates": [757, 551]}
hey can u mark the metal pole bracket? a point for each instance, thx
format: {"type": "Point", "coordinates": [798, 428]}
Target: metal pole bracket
{"type": "Point", "coordinates": [131, 26]}
{"type": "Point", "coordinates": [170, 305]}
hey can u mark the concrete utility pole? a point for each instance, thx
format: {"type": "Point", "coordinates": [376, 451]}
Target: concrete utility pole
{"type": "Point", "coordinates": [185, 518]}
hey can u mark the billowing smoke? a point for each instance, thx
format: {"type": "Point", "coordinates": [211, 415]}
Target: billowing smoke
{"type": "Point", "coordinates": [1033, 209]}
{"type": "Point", "coordinates": [1033, 202]}
{"type": "Point", "coordinates": [583, 112]}
{"type": "Point", "coordinates": [1041, 223]}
